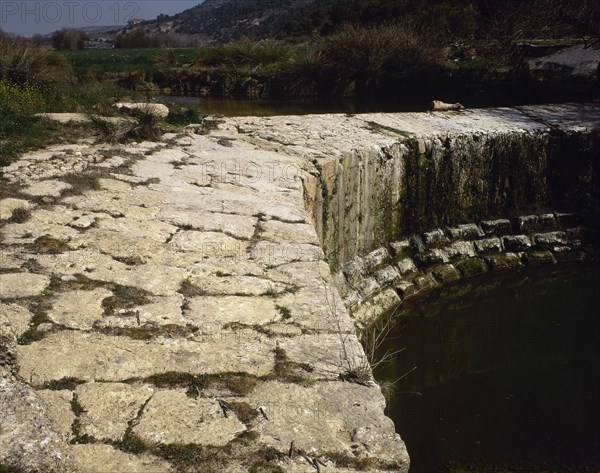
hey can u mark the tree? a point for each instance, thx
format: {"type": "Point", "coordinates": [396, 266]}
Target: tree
{"type": "Point", "coordinates": [69, 38]}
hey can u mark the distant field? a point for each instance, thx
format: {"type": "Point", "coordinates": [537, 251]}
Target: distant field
{"type": "Point", "coordinates": [122, 60]}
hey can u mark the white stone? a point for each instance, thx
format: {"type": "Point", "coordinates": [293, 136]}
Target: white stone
{"type": "Point", "coordinates": [46, 188]}
{"type": "Point", "coordinates": [18, 317]}
{"type": "Point", "coordinates": [219, 311]}
{"type": "Point", "coordinates": [17, 285]}
{"type": "Point", "coordinates": [79, 309]}
{"type": "Point", "coordinates": [157, 109]}
{"type": "Point", "coordinates": [173, 417]}
{"type": "Point", "coordinates": [100, 458]}
{"type": "Point", "coordinates": [109, 407]}
{"type": "Point", "coordinates": [60, 413]}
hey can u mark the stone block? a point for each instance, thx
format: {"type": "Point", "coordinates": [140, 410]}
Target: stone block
{"type": "Point", "coordinates": [539, 258]}
{"type": "Point", "coordinates": [489, 245]}
{"type": "Point", "coordinates": [469, 231]}
{"type": "Point", "coordinates": [498, 227]}
{"type": "Point", "coordinates": [503, 261]}
{"type": "Point", "coordinates": [472, 267]}
{"type": "Point", "coordinates": [517, 242]}
{"type": "Point", "coordinates": [445, 273]}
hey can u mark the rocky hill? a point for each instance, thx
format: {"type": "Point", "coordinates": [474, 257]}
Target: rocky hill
{"type": "Point", "coordinates": [222, 20]}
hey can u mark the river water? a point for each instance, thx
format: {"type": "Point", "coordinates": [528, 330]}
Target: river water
{"type": "Point", "coordinates": [231, 107]}
{"type": "Point", "coordinates": [507, 374]}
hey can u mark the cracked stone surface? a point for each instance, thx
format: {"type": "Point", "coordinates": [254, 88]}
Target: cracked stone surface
{"type": "Point", "coordinates": [46, 188]}
{"type": "Point", "coordinates": [18, 317]}
{"type": "Point", "coordinates": [221, 243]}
{"type": "Point", "coordinates": [18, 285]}
{"type": "Point", "coordinates": [58, 407]}
{"type": "Point", "coordinates": [217, 312]}
{"type": "Point", "coordinates": [99, 458]}
{"type": "Point", "coordinates": [79, 309]}
{"type": "Point", "coordinates": [329, 416]}
{"type": "Point", "coordinates": [173, 417]}
{"type": "Point", "coordinates": [93, 356]}
{"type": "Point", "coordinates": [27, 434]}
{"type": "Point", "coordinates": [109, 407]}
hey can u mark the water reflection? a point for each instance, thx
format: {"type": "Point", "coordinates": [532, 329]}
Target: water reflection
{"type": "Point", "coordinates": [508, 372]}
{"type": "Point", "coordinates": [231, 107]}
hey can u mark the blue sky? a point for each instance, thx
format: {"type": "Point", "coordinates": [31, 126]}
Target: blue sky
{"type": "Point", "coordinates": [28, 17]}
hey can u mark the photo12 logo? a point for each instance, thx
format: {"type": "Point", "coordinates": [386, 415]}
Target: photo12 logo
{"type": "Point", "coordinates": [68, 12]}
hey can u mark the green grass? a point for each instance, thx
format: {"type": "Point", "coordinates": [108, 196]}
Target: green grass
{"type": "Point", "coordinates": [101, 61]}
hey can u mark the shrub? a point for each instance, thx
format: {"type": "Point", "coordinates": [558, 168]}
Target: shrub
{"type": "Point", "coordinates": [182, 115]}
{"type": "Point", "coordinates": [23, 100]}
{"type": "Point", "coordinates": [22, 62]}
{"type": "Point", "coordinates": [365, 59]}
{"type": "Point", "coordinates": [245, 53]}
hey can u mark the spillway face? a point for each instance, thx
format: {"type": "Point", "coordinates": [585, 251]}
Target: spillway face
{"type": "Point", "coordinates": [379, 208]}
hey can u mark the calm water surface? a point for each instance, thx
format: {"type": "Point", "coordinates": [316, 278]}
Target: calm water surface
{"type": "Point", "coordinates": [231, 107]}
{"type": "Point", "coordinates": [507, 375]}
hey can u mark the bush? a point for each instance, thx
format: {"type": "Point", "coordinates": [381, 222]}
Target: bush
{"type": "Point", "coordinates": [245, 53]}
{"type": "Point", "coordinates": [69, 38]}
{"type": "Point", "coordinates": [25, 100]}
{"type": "Point", "coordinates": [365, 59]}
{"type": "Point", "coordinates": [22, 63]}
{"type": "Point", "coordinates": [181, 115]}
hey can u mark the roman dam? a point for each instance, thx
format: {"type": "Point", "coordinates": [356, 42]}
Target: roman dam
{"type": "Point", "coordinates": [196, 301]}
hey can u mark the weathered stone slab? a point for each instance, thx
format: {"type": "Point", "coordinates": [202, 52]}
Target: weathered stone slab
{"type": "Point", "coordinates": [91, 356]}
{"type": "Point", "coordinates": [28, 232]}
{"type": "Point", "coordinates": [48, 188]}
{"type": "Point", "coordinates": [17, 316]}
{"type": "Point", "coordinates": [435, 238]}
{"type": "Point", "coordinates": [216, 312]}
{"type": "Point", "coordinates": [282, 232]}
{"type": "Point", "coordinates": [400, 249]}
{"type": "Point", "coordinates": [158, 280]}
{"type": "Point", "coordinates": [272, 255]}
{"type": "Point", "coordinates": [173, 417]}
{"type": "Point", "coordinates": [101, 458]}
{"type": "Point", "coordinates": [376, 259]}
{"type": "Point", "coordinates": [237, 285]}
{"type": "Point", "coordinates": [109, 407]}
{"type": "Point", "coordinates": [406, 266]}
{"type": "Point", "coordinates": [432, 257]}
{"type": "Point", "coordinates": [353, 413]}
{"type": "Point", "coordinates": [318, 308]}
{"type": "Point", "coordinates": [27, 434]}
{"type": "Point", "coordinates": [79, 309]}
{"type": "Point", "coordinates": [60, 413]}
{"type": "Point", "coordinates": [18, 285]}
{"type": "Point", "coordinates": [209, 244]}
{"type": "Point", "coordinates": [239, 226]}
{"type": "Point", "coordinates": [387, 275]}
{"type": "Point", "coordinates": [312, 273]}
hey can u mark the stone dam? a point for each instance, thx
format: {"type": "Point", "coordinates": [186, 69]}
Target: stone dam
{"type": "Point", "coordinates": [192, 304]}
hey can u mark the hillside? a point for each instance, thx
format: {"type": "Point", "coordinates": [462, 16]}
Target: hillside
{"type": "Point", "coordinates": [222, 20]}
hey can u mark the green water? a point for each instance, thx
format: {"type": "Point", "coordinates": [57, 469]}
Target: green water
{"type": "Point", "coordinates": [507, 374]}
